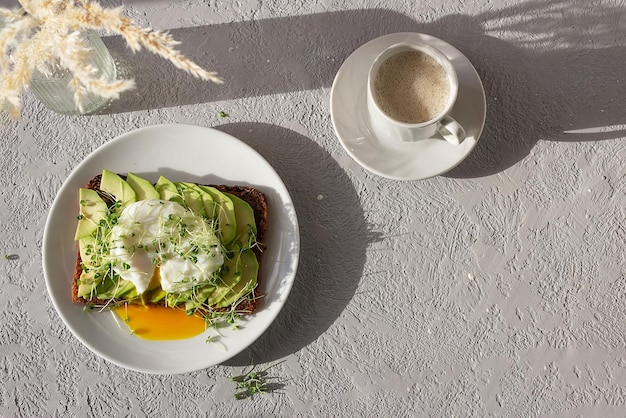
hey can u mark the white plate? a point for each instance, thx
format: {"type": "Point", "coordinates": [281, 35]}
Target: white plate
{"type": "Point", "coordinates": [403, 161]}
{"type": "Point", "coordinates": [184, 153]}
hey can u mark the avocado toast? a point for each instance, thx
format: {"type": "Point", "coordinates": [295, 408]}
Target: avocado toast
{"type": "Point", "coordinates": [177, 244]}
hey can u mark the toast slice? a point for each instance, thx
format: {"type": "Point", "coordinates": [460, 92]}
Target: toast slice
{"type": "Point", "coordinates": [253, 197]}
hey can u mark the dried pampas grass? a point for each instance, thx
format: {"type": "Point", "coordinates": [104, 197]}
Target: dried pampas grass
{"type": "Point", "coordinates": [43, 34]}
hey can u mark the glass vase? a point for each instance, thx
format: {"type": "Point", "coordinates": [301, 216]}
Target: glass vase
{"type": "Point", "coordinates": [54, 91]}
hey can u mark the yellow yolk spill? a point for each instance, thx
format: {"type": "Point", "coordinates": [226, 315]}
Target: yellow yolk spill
{"type": "Point", "coordinates": [159, 322]}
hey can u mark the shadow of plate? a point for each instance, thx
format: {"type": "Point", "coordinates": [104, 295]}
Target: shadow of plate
{"type": "Point", "coordinates": [334, 236]}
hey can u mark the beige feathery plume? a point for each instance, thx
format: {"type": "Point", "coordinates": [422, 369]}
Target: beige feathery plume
{"type": "Point", "coordinates": [46, 33]}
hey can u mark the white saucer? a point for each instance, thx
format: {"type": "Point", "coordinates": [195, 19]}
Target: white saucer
{"type": "Point", "coordinates": [404, 160]}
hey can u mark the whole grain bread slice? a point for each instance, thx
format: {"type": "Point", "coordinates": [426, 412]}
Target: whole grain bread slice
{"type": "Point", "coordinates": [254, 197]}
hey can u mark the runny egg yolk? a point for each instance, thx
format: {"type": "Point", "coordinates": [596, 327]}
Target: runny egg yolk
{"type": "Point", "coordinates": [159, 322]}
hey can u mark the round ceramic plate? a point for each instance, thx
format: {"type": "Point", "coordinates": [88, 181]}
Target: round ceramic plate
{"type": "Point", "coordinates": [404, 160]}
{"type": "Point", "coordinates": [180, 153]}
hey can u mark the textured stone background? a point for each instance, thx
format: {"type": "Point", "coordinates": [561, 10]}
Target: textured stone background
{"type": "Point", "coordinates": [497, 289]}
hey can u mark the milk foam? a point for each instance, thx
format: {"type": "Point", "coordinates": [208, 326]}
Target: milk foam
{"type": "Point", "coordinates": [411, 87]}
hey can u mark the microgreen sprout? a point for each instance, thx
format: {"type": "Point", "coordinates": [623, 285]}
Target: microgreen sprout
{"type": "Point", "coordinates": [216, 340]}
{"type": "Point", "coordinates": [252, 382]}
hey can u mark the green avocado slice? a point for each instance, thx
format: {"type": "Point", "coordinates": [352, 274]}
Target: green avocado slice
{"type": "Point", "coordinates": [167, 190]}
{"type": "Point", "coordinates": [231, 274]}
{"type": "Point", "coordinates": [142, 187]}
{"type": "Point", "coordinates": [106, 288]}
{"type": "Point", "coordinates": [92, 210]}
{"type": "Point", "coordinates": [192, 197]}
{"type": "Point", "coordinates": [84, 291]}
{"type": "Point", "coordinates": [246, 230]}
{"type": "Point", "coordinates": [109, 289]}
{"type": "Point", "coordinates": [155, 295]}
{"type": "Point", "coordinates": [249, 272]}
{"type": "Point", "coordinates": [200, 297]}
{"type": "Point", "coordinates": [224, 212]}
{"type": "Point", "coordinates": [114, 185]}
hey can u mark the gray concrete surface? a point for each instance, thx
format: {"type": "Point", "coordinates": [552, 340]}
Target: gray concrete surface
{"type": "Point", "coordinates": [498, 289]}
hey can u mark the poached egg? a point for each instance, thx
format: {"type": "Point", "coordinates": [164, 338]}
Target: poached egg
{"type": "Point", "coordinates": [162, 234]}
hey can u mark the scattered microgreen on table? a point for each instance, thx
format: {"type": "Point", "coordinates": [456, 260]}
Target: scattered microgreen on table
{"type": "Point", "coordinates": [252, 382]}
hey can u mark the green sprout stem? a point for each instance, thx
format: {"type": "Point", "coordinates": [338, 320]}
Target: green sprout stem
{"type": "Point", "coordinates": [252, 382]}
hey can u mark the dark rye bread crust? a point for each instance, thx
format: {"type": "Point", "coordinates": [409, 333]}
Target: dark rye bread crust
{"type": "Point", "coordinates": [255, 198]}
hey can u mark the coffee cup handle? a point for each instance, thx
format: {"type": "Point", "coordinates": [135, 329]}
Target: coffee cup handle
{"type": "Point", "coordinates": [451, 130]}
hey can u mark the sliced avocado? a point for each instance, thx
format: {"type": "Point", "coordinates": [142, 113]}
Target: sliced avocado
{"type": "Point", "coordinates": [207, 200]}
{"type": "Point", "coordinates": [246, 225]}
{"type": "Point", "coordinates": [86, 248]}
{"type": "Point", "coordinates": [172, 299]}
{"type": "Point", "coordinates": [92, 210]}
{"type": "Point", "coordinates": [110, 289]}
{"type": "Point", "coordinates": [86, 283]}
{"type": "Point", "coordinates": [84, 290]}
{"type": "Point", "coordinates": [88, 276]}
{"type": "Point", "coordinates": [156, 295]}
{"type": "Point", "coordinates": [104, 289]}
{"type": "Point", "coordinates": [192, 196]}
{"type": "Point", "coordinates": [152, 295]}
{"type": "Point", "coordinates": [167, 190]}
{"type": "Point", "coordinates": [142, 187]}
{"type": "Point", "coordinates": [209, 203]}
{"type": "Point", "coordinates": [249, 272]}
{"type": "Point", "coordinates": [126, 292]}
{"type": "Point", "coordinates": [224, 212]}
{"type": "Point", "coordinates": [199, 297]}
{"type": "Point", "coordinates": [231, 274]}
{"type": "Point", "coordinates": [114, 185]}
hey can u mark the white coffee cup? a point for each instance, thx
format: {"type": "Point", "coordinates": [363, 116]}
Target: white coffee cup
{"type": "Point", "coordinates": [402, 119]}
